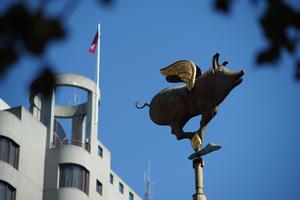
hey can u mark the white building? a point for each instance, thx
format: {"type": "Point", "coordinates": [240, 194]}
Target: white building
{"type": "Point", "coordinates": [37, 162]}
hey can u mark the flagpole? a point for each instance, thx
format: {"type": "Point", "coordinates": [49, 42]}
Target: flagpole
{"type": "Point", "coordinates": [98, 66]}
{"type": "Point", "coordinates": [97, 78]}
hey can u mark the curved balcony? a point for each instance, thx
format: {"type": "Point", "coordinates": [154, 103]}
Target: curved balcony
{"type": "Point", "coordinates": [9, 174]}
{"type": "Point", "coordinates": [65, 141]}
{"type": "Point", "coordinates": [66, 193]}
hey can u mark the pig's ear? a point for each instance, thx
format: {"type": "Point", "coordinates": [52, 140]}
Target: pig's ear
{"type": "Point", "coordinates": [215, 62]}
{"type": "Point", "coordinates": [225, 63]}
{"type": "Point", "coordinates": [198, 71]}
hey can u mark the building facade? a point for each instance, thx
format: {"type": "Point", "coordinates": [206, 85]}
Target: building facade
{"type": "Point", "coordinates": [38, 161]}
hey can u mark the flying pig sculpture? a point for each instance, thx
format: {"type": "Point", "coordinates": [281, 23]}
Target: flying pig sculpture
{"type": "Point", "coordinates": [201, 95]}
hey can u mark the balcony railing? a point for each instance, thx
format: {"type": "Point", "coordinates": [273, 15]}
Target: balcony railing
{"type": "Point", "coordinates": [86, 145]}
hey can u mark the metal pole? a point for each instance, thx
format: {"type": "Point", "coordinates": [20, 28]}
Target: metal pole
{"type": "Point", "coordinates": [198, 165]}
{"type": "Point", "coordinates": [97, 77]}
{"type": "Point", "coordinates": [98, 62]}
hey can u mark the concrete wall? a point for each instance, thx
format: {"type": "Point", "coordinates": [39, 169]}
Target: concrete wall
{"type": "Point", "coordinates": [114, 192]}
{"type": "Point", "coordinates": [3, 105]}
{"type": "Point", "coordinates": [30, 135]}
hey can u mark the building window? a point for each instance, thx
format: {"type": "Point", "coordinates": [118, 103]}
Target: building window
{"type": "Point", "coordinates": [99, 187]}
{"type": "Point", "coordinates": [7, 192]}
{"type": "Point", "coordinates": [59, 134]}
{"type": "Point", "coordinates": [121, 188]}
{"type": "Point", "coordinates": [100, 151]}
{"type": "Point", "coordinates": [9, 151]}
{"type": "Point", "coordinates": [111, 179]}
{"type": "Point", "coordinates": [131, 197]}
{"type": "Point", "coordinates": [76, 176]}
{"type": "Point", "coordinates": [60, 137]}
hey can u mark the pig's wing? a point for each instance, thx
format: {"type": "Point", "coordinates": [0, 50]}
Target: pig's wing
{"type": "Point", "coordinates": [182, 71]}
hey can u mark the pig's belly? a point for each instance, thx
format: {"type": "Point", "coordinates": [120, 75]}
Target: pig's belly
{"type": "Point", "coordinates": [166, 107]}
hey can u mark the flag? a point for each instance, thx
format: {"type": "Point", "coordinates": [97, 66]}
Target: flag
{"type": "Point", "coordinates": [93, 46]}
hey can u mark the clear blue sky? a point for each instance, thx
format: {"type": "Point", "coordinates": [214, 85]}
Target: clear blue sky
{"type": "Point", "coordinates": [257, 125]}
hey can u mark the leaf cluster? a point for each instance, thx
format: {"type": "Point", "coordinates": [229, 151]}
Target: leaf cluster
{"type": "Point", "coordinates": [277, 22]}
{"type": "Point", "coordinates": [24, 32]}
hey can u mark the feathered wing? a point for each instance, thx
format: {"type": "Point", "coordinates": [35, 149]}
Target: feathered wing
{"type": "Point", "coordinates": [181, 71]}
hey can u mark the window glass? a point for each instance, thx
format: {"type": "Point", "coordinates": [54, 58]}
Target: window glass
{"type": "Point", "coordinates": [2, 191]}
{"type": "Point", "coordinates": [121, 188]}
{"type": "Point", "coordinates": [99, 187]}
{"type": "Point", "coordinates": [131, 197]}
{"type": "Point", "coordinates": [7, 192]}
{"type": "Point", "coordinates": [12, 154]}
{"type": "Point", "coordinates": [9, 151]}
{"type": "Point", "coordinates": [72, 175]}
{"type": "Point", "coordinates": [111, 179]}
{"type": "Point", "coordinates": [100, 151]}
{"type": "Point", "coordinates": [4, 147]}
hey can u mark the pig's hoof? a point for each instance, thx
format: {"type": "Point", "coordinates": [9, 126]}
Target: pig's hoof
{"type": "Point", "coordinates": [196, 142]}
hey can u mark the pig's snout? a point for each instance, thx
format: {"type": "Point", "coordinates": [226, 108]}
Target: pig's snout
{"type": "Point", "coordinates": [239, 74]}
{"type": "Point", "coordinates": [238, 77]}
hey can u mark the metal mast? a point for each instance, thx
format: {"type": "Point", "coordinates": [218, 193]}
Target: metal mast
{"type": "Point", "coordinates": [148, 194]}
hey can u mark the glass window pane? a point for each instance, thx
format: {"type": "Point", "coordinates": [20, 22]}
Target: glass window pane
{"type": "Point", "coordinates": [111, 179]}
{"type": "Point", "coordinates": [86, 182]}
{"type": "Point", "coordinates": [4, 147]}
{"type": "Point", "coordinates": [131, 197]}
{"type": "Point", "coordinates": [72, 175]}
{"type": "Point", "coordinates": [12, 154]}
{"type": "Point", "coordinates": [8, 151]}
{"type": "Point", "coordinates": [100, 151]}
{"type": "Point", "coordinates": [78, 177]}
{"type": "Point", "coordinates": [17, 158]}
{"type": "Point", "coordinates": [121, 188]}
{"type": "Point", "coordinates": [2, 191]}
{"type": "Point", "coordinates": [65, 176]}
{"type": "Point", "coordinates": [99, 187]}
{"type": "Point", "coordinates": [7, 192]}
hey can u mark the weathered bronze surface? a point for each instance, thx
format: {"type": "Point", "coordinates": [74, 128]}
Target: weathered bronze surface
{"type": "Point", "coordinates": [201, 95]}
{"type": "Point", "coordinates": [175, 106]}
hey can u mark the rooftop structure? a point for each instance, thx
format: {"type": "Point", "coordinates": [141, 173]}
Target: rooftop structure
{"type": "Point", "coordinates": [39, 161]}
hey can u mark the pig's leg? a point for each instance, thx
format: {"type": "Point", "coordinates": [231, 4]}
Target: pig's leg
{"type": "Point", "coordinates": [180, 134]}
{"type": "Point", "coordinates": [206, 117]}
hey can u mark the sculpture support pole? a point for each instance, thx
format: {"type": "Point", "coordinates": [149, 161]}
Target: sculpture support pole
{"type": "Point", "coordinates": [198, 165]}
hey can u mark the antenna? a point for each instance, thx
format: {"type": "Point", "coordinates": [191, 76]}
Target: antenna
{"type": "Point", "coordinates": [76, 97]}
{"type": "Point", "coordinates": [148, 194]}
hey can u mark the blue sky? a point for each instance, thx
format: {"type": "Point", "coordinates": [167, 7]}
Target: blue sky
{"type": "Point", "coordinates": [257, 125]}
